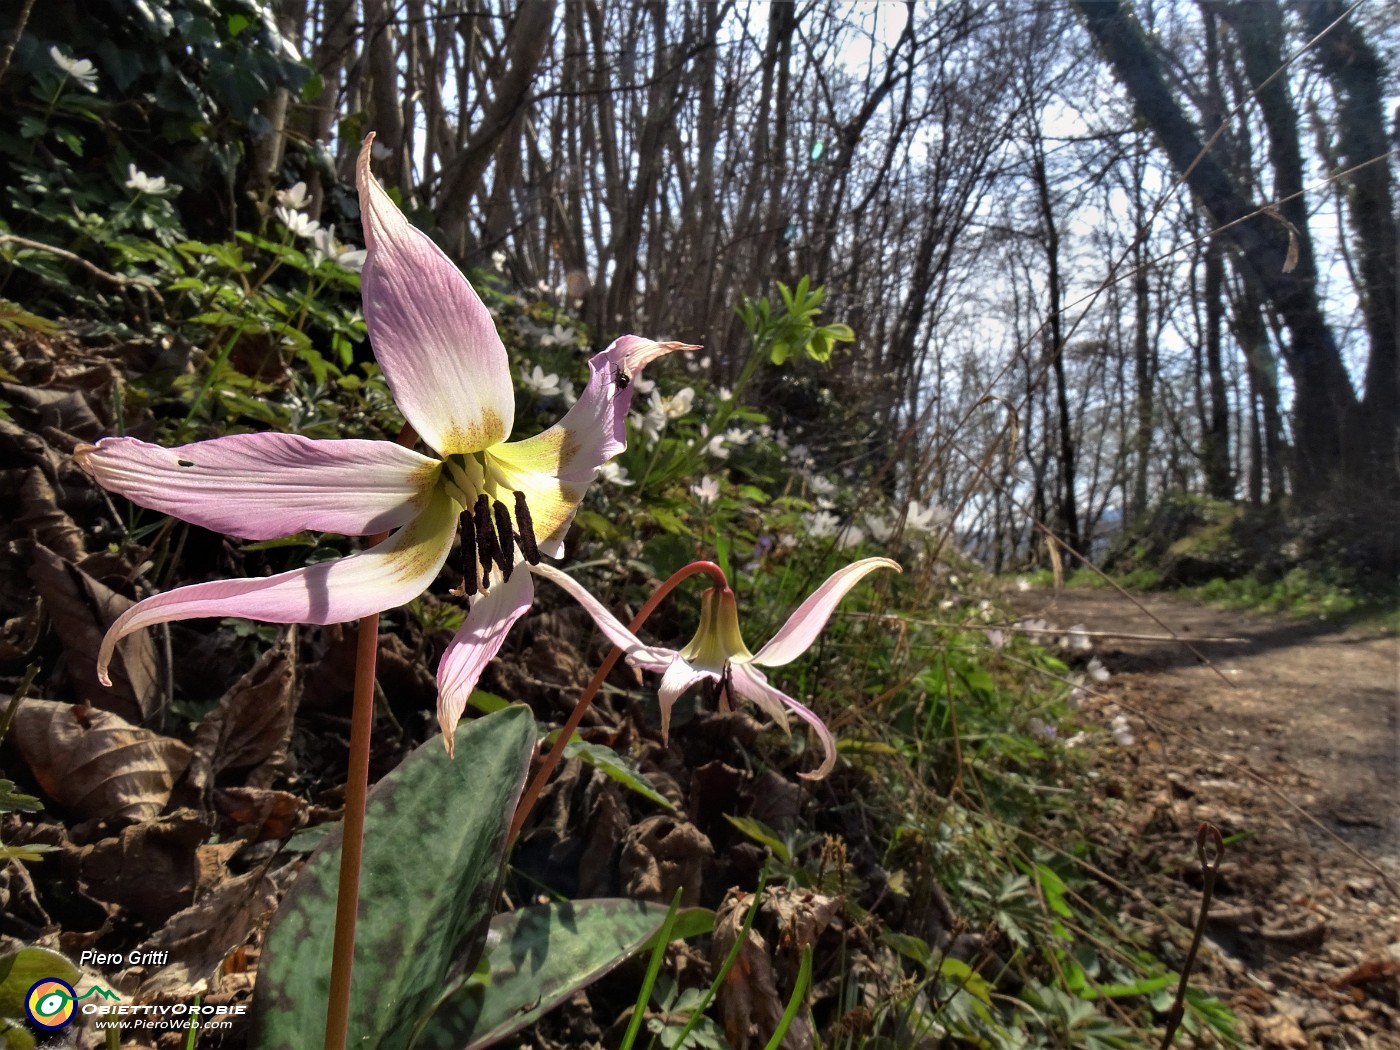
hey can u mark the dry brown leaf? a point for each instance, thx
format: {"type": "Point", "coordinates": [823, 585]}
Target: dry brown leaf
{"type": "Point", "coordinates": [154, 869]}
{"type": "Point", "coordinates": [252, 724]}
{"type": "Point", "coordinates": [95, 763]}
{"type": "Point", "coordinates": [199, 937]}
{"type": "Point", "coordinates": [82, 609]}
{"type": "Point", "coordinates": [50, 523]}
{"type": "Point", "coordinates": [18, 445]}
{"type": "Point", "coordinates": [663, 854]}
{"type": "Point", "coordinates": [750, 1005]}
{"type": "Point", "coordinates": [65, 409]}
{"type": "Point", "coordinates": [261, 813]}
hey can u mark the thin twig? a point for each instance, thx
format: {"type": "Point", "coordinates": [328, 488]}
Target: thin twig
{"type": "Point", "coordinates": [13, 42]}
{"type": "Point", "coordinates": [1210, 868]}
{"type": "Point", "coordinates": [39, 246]}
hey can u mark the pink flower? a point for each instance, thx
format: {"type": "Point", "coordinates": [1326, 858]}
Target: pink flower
{"type": "Point", "coordinates": [448, 372]}
{"type": "Point", "coordinates": [718, 654]}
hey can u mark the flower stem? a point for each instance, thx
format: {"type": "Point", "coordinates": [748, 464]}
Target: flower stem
{"type": "Point", "coordinates": [556, 753]}
{"type": "Point", "coordinates": [352, 840]}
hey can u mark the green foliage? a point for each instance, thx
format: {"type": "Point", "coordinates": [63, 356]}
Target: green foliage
{"type": "Point", "coordinates": [1304, 593]}
{"type": "Point", "coordinates": [539, 957]}
{"type": "Point", "coordinates": [183, 80]}
{"type": "Point", "coordinates": [434, 841]}
{"type": "Point", "coordinates": [782, 331]}
{"type": "Point", "coordinates": [18, 973]}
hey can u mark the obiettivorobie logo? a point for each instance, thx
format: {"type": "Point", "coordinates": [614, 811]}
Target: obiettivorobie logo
{"type": "Point", "coordinates": [52, 1003]}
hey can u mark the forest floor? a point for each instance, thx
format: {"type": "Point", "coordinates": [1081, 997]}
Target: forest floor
{"type": "Point", "coordinates": [1287, 740]}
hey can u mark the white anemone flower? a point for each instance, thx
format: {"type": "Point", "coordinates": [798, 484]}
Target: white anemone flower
{"type": "Point", "coordinates": [298, 224]}
{"type": "Point", "coordinates": [138, 180]}
{"type": "Point", "coordinates": [706, 490]}
{"type": "Point", "coordinates": [294, 199]}
{"type": "Point", "coordinates": [80, 69]}
{"type": "Point", "coordinates": [353, 259]}
{"type": "Point", "coordinates": [614, 473]}
{"type": "Point", "coordinates": [540, 384]}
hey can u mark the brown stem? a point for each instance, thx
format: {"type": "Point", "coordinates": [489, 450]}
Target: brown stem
{"type": "Point", "coordinates": [556, 753]}
{"type": "Point", "coordinates": [1210, 868]}
{"type": "Point", "coordinates": [13, 42]}
{"type": "Point", "coordinates": [352, 839]}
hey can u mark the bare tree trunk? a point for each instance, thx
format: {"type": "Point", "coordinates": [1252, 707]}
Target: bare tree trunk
{"type": "Point", "coordinates": [1055, 349]}
{"type": "Point", "coordinates": [1359, 79]}
{"type": "Point", "coordinates": [385, 112]}
{"type": "Point", "coordinates": [1215, 441]}
{"type": "Point", "coordinates": [526, 44]}
{"type": "Point", "coordinates": [1324, 398]}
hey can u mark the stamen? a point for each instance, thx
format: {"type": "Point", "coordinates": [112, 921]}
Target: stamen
{"type": "Point", "coordinates": [527, 530]}
{"type": "Point", "coordinates": [726, 691]}
{"type": "Point", "coordinates": [486, 549]}
{"type": "Point", "coordinates": [469, 586]}
{"type": "Point", "coordinates": [506, 542]}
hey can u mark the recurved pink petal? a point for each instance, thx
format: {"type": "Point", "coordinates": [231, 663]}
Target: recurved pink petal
{"type": "Point", "coordinates": [476, 642]}
{"type": "Point", "coordinates": [638, 654]}
{"type": "Point", "coordinates": [797, 635]}
{"type": "Point", "coordinates": [554, 467]}
{"type": "Point", "coordinates": [261, 486]}
{"type": "Point", "coordinates": [348, 588]}
{"type": "Point", "coordinates": [752, 685]}
{"type": "Point", "coordinates": [432, 336]}
{"type": "Point", "coordinates": [679, 677]}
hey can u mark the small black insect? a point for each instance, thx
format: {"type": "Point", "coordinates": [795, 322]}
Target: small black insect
{"type": "Point", "coordinates": [185, 462]}
{"type": "Point", "coordinates": [622, 379]}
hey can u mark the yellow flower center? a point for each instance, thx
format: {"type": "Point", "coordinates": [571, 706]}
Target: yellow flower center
{"type": "Point", "coordinates": [718, 641]}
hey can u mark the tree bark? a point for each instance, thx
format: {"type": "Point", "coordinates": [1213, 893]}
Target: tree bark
{"type": "Point", "coordinates": [1324, 400]}
{"type": "Point", "coordinates": [527, 41]}
{"type": "Point", "coordinates": [1359, 79]}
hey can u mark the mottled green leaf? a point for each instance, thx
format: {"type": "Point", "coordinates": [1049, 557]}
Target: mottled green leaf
{"type": "Point", "coordinates": [541, 956]}
{"type": "Point", "coordinates": [434, 839]}
{"type": "Point", "coordinates": [20, 970]}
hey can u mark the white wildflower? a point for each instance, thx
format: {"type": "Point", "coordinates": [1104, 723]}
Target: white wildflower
{"type": "Point", "coordinates": [1122, 731]}
{"type": "Point", "coordinates": [680, 404]}
{"type": "Point", "coordinates": [879, 528]}
{"type": "Point", "coordinates": [80, 69]}
{"type": "Point", "coordinates": [539, 384]}
{"type": "Point", "coordinates": [138, 180]}
{"type": "Point", "coordinates": [706, 490]}
{"type": "Point", "coordinates": [925, 519]}
{"type": "Point", "coordinates": [294, 199]}
{"type": "Point", "coordinates": [353, 259]}
{"type": "Point", "coordinates": [1076, 638]}
{"type": "Point", "coordinates": [614, 472]}
{"type": "Point", "coordinates": [299, 224]}
{"type": "Point", "coordinates": [559, 335]}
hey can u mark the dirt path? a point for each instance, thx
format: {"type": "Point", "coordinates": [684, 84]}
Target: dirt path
{"type": "Point", "coordinates": [1289, 739]}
